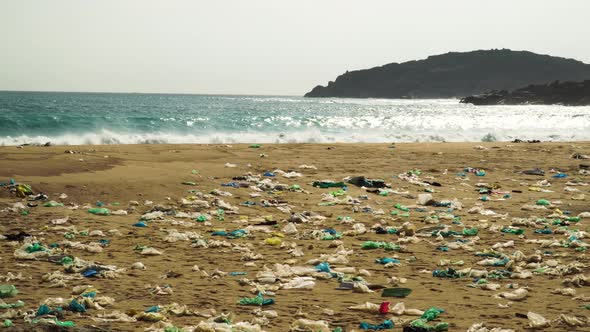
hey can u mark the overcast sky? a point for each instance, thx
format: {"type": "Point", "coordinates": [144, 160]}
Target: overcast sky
{"type": "Point", "coordinates": [260, 46]}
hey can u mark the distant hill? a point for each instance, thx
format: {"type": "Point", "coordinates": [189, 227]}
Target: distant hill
{"type": "Point", "coordinates": [555, 93]}
{"type": "Point", "coordinates": [454, 75]}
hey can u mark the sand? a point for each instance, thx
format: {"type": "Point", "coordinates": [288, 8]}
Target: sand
{"type": "Point", "coordinates": [122, 173]}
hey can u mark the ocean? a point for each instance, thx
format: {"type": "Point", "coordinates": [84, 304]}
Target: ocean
{"type": "Point", "coordinates": [107, 118]}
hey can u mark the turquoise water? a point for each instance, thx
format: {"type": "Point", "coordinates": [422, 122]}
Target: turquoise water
{"type": "Point", "coordinates": [97, 118]}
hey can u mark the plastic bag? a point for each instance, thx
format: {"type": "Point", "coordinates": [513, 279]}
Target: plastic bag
{"type": "Point", "coordinates": [8, 291]}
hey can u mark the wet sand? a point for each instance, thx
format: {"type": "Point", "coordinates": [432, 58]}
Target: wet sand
{"type": "Point", "coordinates": [122, 173]}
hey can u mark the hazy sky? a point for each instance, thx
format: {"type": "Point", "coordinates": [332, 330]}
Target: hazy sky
{"type": "Point", "coordinates": [260, 46]}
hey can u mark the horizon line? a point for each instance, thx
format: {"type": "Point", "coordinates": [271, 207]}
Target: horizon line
{"type": "Point", "coordinates": [156, 93]}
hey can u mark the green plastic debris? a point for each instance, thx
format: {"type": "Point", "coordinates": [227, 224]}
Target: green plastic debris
{"type": "Point", "coordinates": [543, 202]}
{"type": "Point", "coordinates": [421, 323]}
{"type": "Point", "coordinates": [401, 207]}
{"type": "Point", "coordinates": [52, 204]}
{"type": "Point", "coordinates": [43, 310]}
{"type": "Point", "coordinates": [258, 300]}
{"type": "Point", "coordinates": [139, 247]}
{"type": "Point", "coordinates": [8, 291]}
{"type": "Point", "coordinates": [331, 237]}
{"type": "Point", "coordinates": [414, 172]}
{"type": "Point", "coordinates": [323, 184]}
{"type": "Point", "coordinates": [220, 214]}
{"type": "Point", "coordinates": [448, 273]}
{"type": "Point", "coordinates": [573, 219]}
{"type": "Point", "coordinates": [172, 329]}
{"type": "Point", "coordinates": [201, 218]}
{"type": "Point", "coordinates": [67, 323]}
{"type": "Point", "coordinates": [430, 315]}
{"type": "Point", "coordinates": [444, 234]}
{"type": "Point", "coordinates": [194, 171]}
{"type": "Point", "coordinates": [378, 245]}
{"type": "Point", "coordinates": [35, 247]}
{"type": "Point", "coordinates": [67, 260]}
{"type": "Point", "coordinates": [515, 231]}
{"type": "Point", "coordinates": [24, 190]}
{"type": "Point", "coordinates": [338, 193]}
{"type": "Point", "coordinates": [55, 320]}
{"type": "Point", "coordinates": [255, 146]}
{"type": "Point", "coordinates": [396, 292]}
{"type": "Point", "coordinates": [7, 323]}
{"type": "Point", "coordinates": [470, 231]}
{"type": "Point", "coordinates": [76, 306]}
{"type": "Point", "coordinates": [17, 304]}
{"type": "Point", "coordinates": [24, 213]}
{"type": "Point", "coordinates": [99, 211]}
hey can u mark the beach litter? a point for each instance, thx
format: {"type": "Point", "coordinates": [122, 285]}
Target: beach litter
{"type": "Point", "coordinates": [268, 248]}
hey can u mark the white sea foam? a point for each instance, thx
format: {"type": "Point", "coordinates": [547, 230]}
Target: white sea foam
{"type": "Point", "coordinates": [104, 137]}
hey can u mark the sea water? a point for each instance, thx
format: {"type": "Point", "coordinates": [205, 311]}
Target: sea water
{"type": "Point", "coordinates": [105, 118]}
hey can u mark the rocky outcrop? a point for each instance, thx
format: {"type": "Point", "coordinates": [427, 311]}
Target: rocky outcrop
{"type": "Point", "coordinates": [454, 75]}
{"type": "Point", "coordinates": [556, 93]}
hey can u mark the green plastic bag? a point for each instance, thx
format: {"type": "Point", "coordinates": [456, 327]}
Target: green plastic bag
{"type": "Point", "coordinates": [429, 315]}
{"type": "Point", "coordinates": [8, 291]}
{"type": "Point", "coordinates": [258, 300]}
{"type": "Point", "coordinates": [67, 323]}
{"type": "Point", "coordinates": [99, 211]}
{"type": "Point", "coordinates": [52, 204]}
{"type": "Point", "coordinates": [338, 193]}
{"type": "Point", "coordinates": [432, 313]}
{"type": "Point", "coordinates": [24, 190]}
{"type": "Point", "coordinates": [17, 304]}
{"type": "Point", "coordinates": [543, 202]}
{"type": "Point", "coordinates": [470, 231]}
{"type": "Point", "coordinates": [323, 185]}
{"type": "Point", "coordinates": [515, 231]}
{"type": "Point", "coordinates": [378, 245]}
{"type": "Point", "coordinates": [35, 247]}
{"type": "Point", "coordinates": [401, 207]}
{"type": "Point", "coordinates": [422, 323]}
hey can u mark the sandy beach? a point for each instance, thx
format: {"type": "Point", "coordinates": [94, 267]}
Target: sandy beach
{"type": "Point", "coordinates": [115, 175]}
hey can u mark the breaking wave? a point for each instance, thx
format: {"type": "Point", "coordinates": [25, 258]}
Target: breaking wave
{"type": "Point", "coordinates": [96, 119]}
